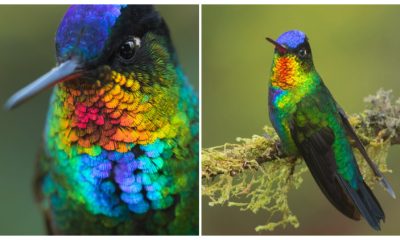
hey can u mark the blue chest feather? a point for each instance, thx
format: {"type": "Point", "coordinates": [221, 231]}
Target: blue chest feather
{"type": "Point", "coordinates": [115, 184]}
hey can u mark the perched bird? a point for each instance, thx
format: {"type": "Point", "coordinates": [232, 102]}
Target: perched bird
{"type": "Point", "coordinates": [311, 123]}
{"type": "Point", "coordinates": [120, 151]}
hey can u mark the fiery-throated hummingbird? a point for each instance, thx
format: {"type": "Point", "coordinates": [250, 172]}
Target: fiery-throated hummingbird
{"type": "Point", "coordinates": [311, 123]}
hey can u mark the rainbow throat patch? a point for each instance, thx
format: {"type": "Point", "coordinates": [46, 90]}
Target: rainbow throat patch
{"type": "Point", "coordinates": [113, 144]}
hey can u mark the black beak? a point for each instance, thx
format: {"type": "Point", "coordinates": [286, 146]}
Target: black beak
{"type": "Point", "coordinates": [64, 72]}
{"type": "Point", "coordinates": [282, 49]}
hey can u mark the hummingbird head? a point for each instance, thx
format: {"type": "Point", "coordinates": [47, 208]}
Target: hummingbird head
{"type": "Point", "coordinates": [292, 59]}
{"type": "Point", "coordinates": [100, 46]}
{"type": "Point", "coordinates": [117, 78]}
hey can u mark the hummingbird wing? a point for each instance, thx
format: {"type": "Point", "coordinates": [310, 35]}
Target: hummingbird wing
{"type": "Point", "coordinates": [350, 132]}
{"type": "Point", "coordinates": [315, 138]}
{"type": "Point", "coordinates": [318, 154]}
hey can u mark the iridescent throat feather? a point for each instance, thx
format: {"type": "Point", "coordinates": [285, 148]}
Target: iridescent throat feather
{"type": "Point", "coordinates": [286, 72]}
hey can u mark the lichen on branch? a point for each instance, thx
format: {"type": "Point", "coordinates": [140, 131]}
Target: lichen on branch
{"type": "Point", "coordinates": [254, 175]}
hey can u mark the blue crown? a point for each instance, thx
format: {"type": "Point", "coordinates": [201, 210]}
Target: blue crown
{"type": "Point", "coordinates": [85, 29]}
{"type": "Point", "coordinates": [292, 39]}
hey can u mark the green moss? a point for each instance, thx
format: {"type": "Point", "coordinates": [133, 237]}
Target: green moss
{"type": "Point", "coordinates": [233, 176]}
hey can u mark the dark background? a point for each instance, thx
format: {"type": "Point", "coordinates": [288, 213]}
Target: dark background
{"type": "Point", "coordinates": [356, 51]}
{"type": "Point", "coordinates": [27, 52]}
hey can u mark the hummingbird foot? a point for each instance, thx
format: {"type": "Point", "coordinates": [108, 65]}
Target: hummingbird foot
{"type": "Point", "coordinates": [292, 160]}
{"type": "Point", "coordinates": [279, 149]}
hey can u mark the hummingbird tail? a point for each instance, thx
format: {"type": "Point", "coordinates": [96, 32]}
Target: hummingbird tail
{"type": "Point", "coordinates": [365, 202]}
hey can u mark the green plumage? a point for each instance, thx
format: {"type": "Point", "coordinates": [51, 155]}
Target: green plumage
{"type": "Point", "coordinates": [315, 113]}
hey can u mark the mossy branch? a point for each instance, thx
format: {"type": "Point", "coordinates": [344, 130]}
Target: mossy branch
{"type": "Point", "coordinates": [253, 174]}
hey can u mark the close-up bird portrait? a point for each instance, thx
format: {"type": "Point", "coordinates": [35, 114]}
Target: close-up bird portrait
{"type": "Point", "coordinates": [114, 149]}
{"type": "Point", "coordinates": [305, 138]}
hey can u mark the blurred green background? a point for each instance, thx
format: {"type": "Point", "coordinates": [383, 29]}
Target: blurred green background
{"type": "Point", "coordinates": [356, 50]}
{"type": "Point", "coordinates": [26, 52]}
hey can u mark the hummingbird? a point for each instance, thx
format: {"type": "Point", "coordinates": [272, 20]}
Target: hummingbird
{"type": "Point", "coordinates": [120, 150]}
{"type": "Point", "coordinates": [311, 124]}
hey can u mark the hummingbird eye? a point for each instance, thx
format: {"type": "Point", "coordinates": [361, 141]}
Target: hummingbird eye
{"type": "Point", "coordinates": [302, 52]}
{"type": "Point", "coordinates": [128, 49]}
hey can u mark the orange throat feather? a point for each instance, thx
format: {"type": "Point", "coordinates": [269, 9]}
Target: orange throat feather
{"type": "Point", "coordinates": [285, 72]}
